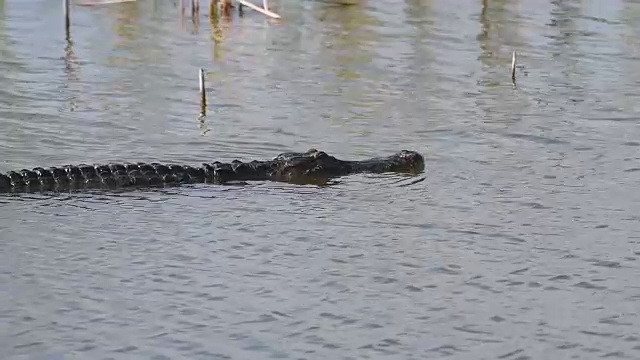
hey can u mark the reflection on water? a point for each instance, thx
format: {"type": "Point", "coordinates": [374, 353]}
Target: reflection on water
{"type": "Point", "coordinates": [519, 241]}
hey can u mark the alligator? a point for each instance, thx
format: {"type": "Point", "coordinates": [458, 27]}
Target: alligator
{"type": "Point", "coordinates": [311, 167]}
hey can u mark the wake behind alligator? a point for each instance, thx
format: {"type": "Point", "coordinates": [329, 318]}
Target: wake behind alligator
{"type": "Point", "coordinates": [311, 167]}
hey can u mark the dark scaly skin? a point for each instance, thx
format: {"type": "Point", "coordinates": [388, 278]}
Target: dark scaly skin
{"type": "Point", "coordinates": [311, 167]}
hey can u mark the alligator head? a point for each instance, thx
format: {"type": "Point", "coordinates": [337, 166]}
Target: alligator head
{"type": "Point", "coordinates": [318, 165]}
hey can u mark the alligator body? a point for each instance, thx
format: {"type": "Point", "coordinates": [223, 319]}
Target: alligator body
{"type": "Point", "coordinates": [311, 167]}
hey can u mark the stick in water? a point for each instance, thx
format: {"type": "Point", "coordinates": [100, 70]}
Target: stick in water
{"type": "Point", "coordinates": [67, 21]}
{"type": "Point", "coordinates": [212, 9]}
{"type": "Point", "coordinates": [194, 8]}
{"type": "Point", "coordinates": [203, 93]}
{"type": "Point", "coordinates": [513, 67]}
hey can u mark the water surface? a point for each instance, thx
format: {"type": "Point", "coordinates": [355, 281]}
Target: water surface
{"type": "Point", "coordinates": [521, 243]}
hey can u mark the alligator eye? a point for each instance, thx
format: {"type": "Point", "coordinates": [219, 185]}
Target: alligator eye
{"type": "Point", "coordinates": [320, 155]}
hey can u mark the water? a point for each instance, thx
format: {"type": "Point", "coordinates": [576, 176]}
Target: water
{"type": "Point", "coordinates": [521, 243]}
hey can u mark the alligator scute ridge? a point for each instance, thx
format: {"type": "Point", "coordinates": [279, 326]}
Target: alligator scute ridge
{"type": "Point", "coordinates": [310, 167]}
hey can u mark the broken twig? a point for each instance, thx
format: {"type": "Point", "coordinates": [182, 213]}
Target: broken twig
{"type": "Point", "coordinates": [265, 11]}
